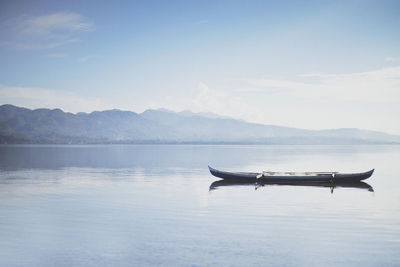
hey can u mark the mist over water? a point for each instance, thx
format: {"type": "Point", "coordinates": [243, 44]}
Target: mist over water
{"type": "Point", "coordinates": [140, 205]}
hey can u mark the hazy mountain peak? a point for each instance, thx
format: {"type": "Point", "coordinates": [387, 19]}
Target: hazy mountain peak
{"type": "Point", "coordinates": [20, 125]}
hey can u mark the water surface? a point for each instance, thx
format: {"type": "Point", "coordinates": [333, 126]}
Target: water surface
{"type": "Point", "coordinates": [143, 205]}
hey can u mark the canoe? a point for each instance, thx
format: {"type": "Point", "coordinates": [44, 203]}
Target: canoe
{"type": "Point", "coordinates": [268, 176]}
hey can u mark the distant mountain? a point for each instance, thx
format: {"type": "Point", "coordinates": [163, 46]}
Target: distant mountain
{"type": "Point", "coordinates": [21, 125]}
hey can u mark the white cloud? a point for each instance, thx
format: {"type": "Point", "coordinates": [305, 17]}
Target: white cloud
{"type": "Point", "coordinates": [207, 100]}
{"type": "Point", "coordinates": [392, 59]}
{"type": "Point", "coordinates": [376, 86]}
{"type": "Point", "coordinates": [369, 100]}
{"type": "Point", "coordinates": [56, 55]}
{"type": "Point", "coordinates": [45, 31]}
{"type": "Point", "coordinates": [220, 102]}
{"type": "Point", "coordinates": [86, 58]}
{"type": "Point", "coordinates": [202, 99]}
{"type": "Point", "coordinates": [45, 98]}
{"type": "Point", "coordinates": [52, 24]}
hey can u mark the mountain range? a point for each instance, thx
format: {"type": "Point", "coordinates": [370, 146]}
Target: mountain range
{"type": "Point", "coordinates": [53, 126]}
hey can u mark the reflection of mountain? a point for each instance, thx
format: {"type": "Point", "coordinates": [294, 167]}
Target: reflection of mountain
{"type": "Point", "coordinates": [20, 125]}
{"type": "Point", "coordinates": [360, 185]}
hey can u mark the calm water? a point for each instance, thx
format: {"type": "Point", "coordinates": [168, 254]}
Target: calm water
{"type": "Point", "coordinates": [151, 205]}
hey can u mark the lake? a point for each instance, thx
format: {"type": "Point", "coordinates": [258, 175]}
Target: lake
{"type": "Point", "coordinates": [150, 205]}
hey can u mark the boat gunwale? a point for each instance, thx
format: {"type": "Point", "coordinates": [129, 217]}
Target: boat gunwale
{"type": "Point", "coordinates": [305, 176]}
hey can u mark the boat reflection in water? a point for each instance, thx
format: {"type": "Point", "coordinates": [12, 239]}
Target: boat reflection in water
{"type": "Point", "coordinates": [360, 185]}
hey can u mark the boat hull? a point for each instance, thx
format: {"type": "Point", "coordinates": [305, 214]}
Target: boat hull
{"type": "Point", "coordinates": [314, 177]}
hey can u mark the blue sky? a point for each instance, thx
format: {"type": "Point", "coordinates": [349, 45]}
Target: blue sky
{"type": "Point", "coordinates": [306, 64]}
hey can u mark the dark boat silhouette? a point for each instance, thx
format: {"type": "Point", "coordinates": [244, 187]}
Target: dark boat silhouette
{"type": "Point", "coordinates": [285, 177]}
{"type": "Point", "coordinates": [357, 184]}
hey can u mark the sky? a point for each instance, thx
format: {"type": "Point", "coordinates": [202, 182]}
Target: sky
{"type": "Point", "coordinates": [304, 64]}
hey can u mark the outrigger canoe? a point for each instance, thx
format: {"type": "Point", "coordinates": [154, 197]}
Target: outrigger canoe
{"type": "Point", "coordinates": [268, 176]}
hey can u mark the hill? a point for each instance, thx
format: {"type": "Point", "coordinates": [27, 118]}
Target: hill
{"type": "Point", "coordinates": [42, 126]}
